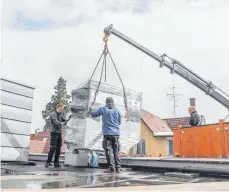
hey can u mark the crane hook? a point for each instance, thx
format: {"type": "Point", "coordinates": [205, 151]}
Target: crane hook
{"type": "Point", "coordinates": [105, 38]}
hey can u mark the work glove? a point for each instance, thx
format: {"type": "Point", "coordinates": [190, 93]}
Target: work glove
{"type": "Point", "coordinates": [90, 109]}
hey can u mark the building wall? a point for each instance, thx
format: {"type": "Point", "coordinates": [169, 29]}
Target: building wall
{"type": "Point", "coordinates": [16, 116]}
{"type": "Point", "coordinates": [155, 146]}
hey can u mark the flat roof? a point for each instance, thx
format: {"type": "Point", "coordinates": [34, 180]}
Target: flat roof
{"type": "Point", "coordinates": [14, 176]}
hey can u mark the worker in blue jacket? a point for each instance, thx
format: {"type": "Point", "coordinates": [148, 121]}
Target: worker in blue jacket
{"type": "Point", "coordinates": [111, 119]}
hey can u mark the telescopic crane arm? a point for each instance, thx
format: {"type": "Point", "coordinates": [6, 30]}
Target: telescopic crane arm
{"type": "Point", "coordinates": [176, 67]}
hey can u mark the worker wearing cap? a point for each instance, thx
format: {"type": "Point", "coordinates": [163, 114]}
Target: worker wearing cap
{"type": "Point", "coordinates": [111, 118]}
{"type": "Point", "coordinates": [57, 121]}
{"type": "Point", "coordinates": [195, 118]}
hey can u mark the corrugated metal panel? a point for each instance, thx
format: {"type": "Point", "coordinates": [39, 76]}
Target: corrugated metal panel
{"type": "Point", "coordinates": [13, 113]}
{"type": "Point", "coordinates": [16, 100]}
{"type": "Point", "coordinates": [16, 116]}
{"type": "Point", "coordinates": [14, 154]}
{"type": "Point", "coordinates": [206, 141]}
{"type": "Point", "coordinates": [13, 140]}
{"type": "Point", "coordinates": [12, 126]}
{"type": "Point", "coordinates": [226, 135]}
{"type": "Point", "coordinates": [15, 87]}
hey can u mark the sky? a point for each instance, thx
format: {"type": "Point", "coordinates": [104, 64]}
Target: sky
{"type": "Point", "coordinates": [43, 40]}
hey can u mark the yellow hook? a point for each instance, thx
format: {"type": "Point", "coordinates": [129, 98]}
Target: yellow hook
{"type": "Point", "coordinates": [105, 38]}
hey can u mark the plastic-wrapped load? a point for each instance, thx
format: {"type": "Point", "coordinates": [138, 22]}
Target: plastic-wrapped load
{"type": "Point", "coordinates": [83, 131]}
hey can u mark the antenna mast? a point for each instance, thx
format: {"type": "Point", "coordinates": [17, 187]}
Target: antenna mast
{"type": "Point", "coordinates": [174, 96]}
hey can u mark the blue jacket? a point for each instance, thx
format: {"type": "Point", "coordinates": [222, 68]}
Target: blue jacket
{"type": "Point", "coordinates": [111, 120]}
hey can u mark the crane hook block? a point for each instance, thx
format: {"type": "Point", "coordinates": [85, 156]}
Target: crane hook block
{"type": "Point", "coordinates": [105, 39]}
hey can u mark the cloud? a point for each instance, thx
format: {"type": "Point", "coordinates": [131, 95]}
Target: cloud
{"type": "Point", "coordinates": [142, 6]}
{"type": "Point", "coordinates": [193, 32]}
{"type": "Point", "coordinates": [60, 13]}
{"type": "Point", "coordinates": [26, 23]}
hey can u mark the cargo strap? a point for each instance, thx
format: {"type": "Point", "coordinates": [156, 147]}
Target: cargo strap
{"type": "Point", "coordinates": [100, 80]}
{"type": "Point", "coordinates": [104, 68]}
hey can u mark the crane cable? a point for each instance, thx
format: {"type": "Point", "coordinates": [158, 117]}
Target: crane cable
{"type": "Point", "coordinates": [100, 80]}
{"type": "Point", "coordinates": [104, 67]}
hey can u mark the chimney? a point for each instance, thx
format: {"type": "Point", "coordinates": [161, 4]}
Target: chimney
{"type": "Point", "coordinates": [192, 102]}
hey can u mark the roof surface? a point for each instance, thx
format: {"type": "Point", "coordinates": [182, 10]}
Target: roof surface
{"type": "Point", "coordinates": [154, 123]}
{"type": "Point", "coordinates": [174, 122]}
{"type": "Point", "coordinates": [41, 143]}
{"type": "Point", "coordinates": [26, 177]}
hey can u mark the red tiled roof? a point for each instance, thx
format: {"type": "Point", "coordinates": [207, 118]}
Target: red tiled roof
{"type": "Point", "coordinates": [41, 143]}
{"type": "Point", "coordinates": [32, 136]}
{"type": "Point", "coordinates": [154, 123]}
{"type": "Point", "coordinates": [41, 135]}
{"type": "Point", "coordinates": [36, 146]}
{"type": "Point", "coordinates": [174, 122]}
{"type": "Point", "coordinates": [47, 146]}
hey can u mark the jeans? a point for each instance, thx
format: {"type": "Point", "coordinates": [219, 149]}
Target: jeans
{"type": "Point", "coordinates": [55, 147]}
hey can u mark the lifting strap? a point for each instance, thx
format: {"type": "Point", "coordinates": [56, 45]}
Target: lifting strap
{"type": "Point", "coordinates": [100, 80]}
{"type": "Point", "coordinates": [104, 68]}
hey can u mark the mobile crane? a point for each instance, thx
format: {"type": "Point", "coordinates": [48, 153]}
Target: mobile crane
{"type": "Point", "coordinates": [176, 67]}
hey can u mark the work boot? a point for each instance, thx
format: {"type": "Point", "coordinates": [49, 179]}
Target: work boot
{"type": "Point", "coordinates": [57, 165]}
{"type": "Point", "coordinates": [118, 170]}
{"type": "Point", "coordinates": [47, 164]}
{"type": "Point", "coordinates": [109, 170]}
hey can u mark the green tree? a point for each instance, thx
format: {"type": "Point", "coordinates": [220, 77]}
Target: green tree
{"type": "Point", "coordinates": [60, 96]}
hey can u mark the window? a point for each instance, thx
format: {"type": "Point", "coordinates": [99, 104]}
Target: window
{"type": "Point", "coordinates": [169, 146]}
{"type": "Point", "coordinates": [141, 147]}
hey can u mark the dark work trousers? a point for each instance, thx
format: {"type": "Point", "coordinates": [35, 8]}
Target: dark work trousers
{"type": "Point", "coordinates": [55, 146]}
{"type": "Point", "coordinates": [111, 146]}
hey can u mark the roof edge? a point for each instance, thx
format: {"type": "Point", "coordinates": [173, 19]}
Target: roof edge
{"type": "Point", "coordinates": [147, 125]}
{"type": "Point", "coordinates": [163, 134]}
{"type": "Point", "coordinates": [154, 116]}
{"type": "Point", "coordinates": [175, 118]}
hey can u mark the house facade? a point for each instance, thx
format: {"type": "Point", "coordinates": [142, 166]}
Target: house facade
{"type": "Point", "coordinates": [156, 137]}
